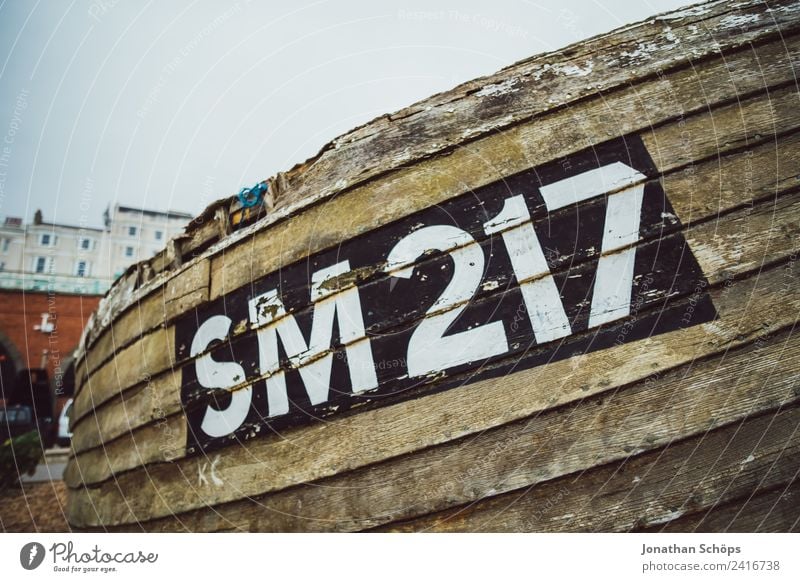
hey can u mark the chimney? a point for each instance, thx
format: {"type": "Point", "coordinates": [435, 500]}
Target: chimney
{"type": "Point", "coordinates": [37, 217]}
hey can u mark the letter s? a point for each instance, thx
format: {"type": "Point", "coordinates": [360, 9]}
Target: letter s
{"type": "Point", "coordinates": [211, 374]}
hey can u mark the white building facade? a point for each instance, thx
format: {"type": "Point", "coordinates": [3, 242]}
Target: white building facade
{"type": "Point", "coordinates": [46, 256]}
{"type": "Point", "coordinates": [134, 234]}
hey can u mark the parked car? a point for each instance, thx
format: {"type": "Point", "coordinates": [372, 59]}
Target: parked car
{"type": "Point", "coordinates": [64, 434]}
{"type": "Point", "coordinates": [16, 420]}
{"type": "Point", "coordinates": [33, 391]}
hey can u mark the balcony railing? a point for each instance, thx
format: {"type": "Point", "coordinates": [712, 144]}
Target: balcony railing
{"type": "Point", "coordinates": [68, 284]}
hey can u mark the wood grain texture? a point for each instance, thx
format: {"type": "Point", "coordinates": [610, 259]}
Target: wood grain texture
{"type": "Point", "coordinates": [127, 328]}
{"type": "Point", "coordinates": [626, 422]}
{"type": "Point", "coordinates": [187, 289]}
{"type": "Point", "coordinates": [775, 510]}
{"type": "Point", "coordinates": [131, 366]}
{"type": "Point", "coordinates": [668, 96]}
{"type": "Point", "coordinates": [754, 495]}
{"type": "Point", "coordinates": [476, 164]}
{"type": "Point", "coordinates": [712, 94]}
{"type": "Point", "coordinates": [151, 402]}
{"type": "Point", "coordinates": [748, 310]}
{"type": "Point", "coordinates": [484, 106]}
{"type": "Point", "coordinates": [653, 489]}
{"type": "Point", "coordinates": [769, 169]}
{"type": "Point", "coordinates": [745, 240]}
{"type": "Point", "coordinates": [668, 144]}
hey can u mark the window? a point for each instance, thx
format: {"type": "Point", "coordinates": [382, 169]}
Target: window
{"type": "Point", "coordinates": [131, 231]}
{"type": "Point", "coordinates": [128, 251]}
{"type": "Point", "coordinates": [159, 235]}
{"type": "Point", "coordinates": [81, 269]}
{"type": "Point", "coordinates": [45, 239]}
{"type": "Point", "coordinates": [85, 244]}
{"type": "Point", "coordinates": [15, 415]}
{"type": "Point", "coordinates": [2, 267]}
{"type": "Point", "coordinates": [40, 264]}
{"type": "Point", "coordinates": [6, 243]}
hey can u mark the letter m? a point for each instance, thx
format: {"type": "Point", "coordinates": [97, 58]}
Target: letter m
{"type": "Point", "coordinates": [315, 358]}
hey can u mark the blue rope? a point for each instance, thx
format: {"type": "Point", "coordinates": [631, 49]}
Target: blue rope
{"type": "Point", "coordinates": [254, 196]}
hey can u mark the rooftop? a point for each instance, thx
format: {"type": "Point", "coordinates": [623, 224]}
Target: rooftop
{"type": "Point", "coordinates": [155, 213]}
{"type": "Point", "coordinates": [72, 226]}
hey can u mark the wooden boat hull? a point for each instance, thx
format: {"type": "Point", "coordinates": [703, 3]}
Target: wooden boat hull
{"type": "Point", "coordinates": [559, 298]}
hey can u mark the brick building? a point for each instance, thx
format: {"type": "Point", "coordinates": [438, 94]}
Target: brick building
{"type": "Point", "coordinates": [41, 330]}
{"type": "Point", "coordinates": [52, 277]}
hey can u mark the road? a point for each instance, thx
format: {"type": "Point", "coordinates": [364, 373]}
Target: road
{"type": "Point", "coordinates": [51, 468]}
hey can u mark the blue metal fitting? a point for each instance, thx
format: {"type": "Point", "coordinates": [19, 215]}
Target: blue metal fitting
{"type": "Point", "coordinates": [254, 196]}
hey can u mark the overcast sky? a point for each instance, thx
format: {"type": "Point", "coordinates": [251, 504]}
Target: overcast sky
{"type": "Point", "coordinates": [174, 104]}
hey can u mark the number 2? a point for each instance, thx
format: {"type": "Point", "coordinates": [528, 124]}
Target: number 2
{"type": "Point", "coordinates": [429, 350]}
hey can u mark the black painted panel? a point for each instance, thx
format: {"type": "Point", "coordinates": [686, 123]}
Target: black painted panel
{"type": "Point", "coordinates": [668, 293]}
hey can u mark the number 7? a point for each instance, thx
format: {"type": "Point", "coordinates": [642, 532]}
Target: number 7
{"type": "Point", "coordinates": [613, 284]}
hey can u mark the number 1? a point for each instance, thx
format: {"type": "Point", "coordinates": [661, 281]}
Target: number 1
{"type": "Point", "coordinates": [539, 291]}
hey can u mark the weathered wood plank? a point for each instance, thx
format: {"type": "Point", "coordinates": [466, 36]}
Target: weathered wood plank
{"type": "Point", "coordinates": [748, 309]}
{"type": "Point", "coordinates": [548, 506]}
{"type": "Point", "coordinates": [205, 229]}
{"type": "Point", "coordinates": [187, 289]}
{"type": "Point", "coordinates": [757, 222]}
{"type": "Point", "coordinates": [447, 476]}
{"type": "Point", "coordinates": [659, 99]}
{"type": "Point", "coordinates": [129, 326]}
{"type": "Point", "coordinates": [484, 161]}
{"type": "Point", "coordinates": [673, 144]}
{"type": "Point", "coordinates": [747, 239]}
{"type": "Point", "coordinates": [517, 99]}
{"type": "Point", "coordinates": [763, 117]}
{"type": "Point", "coordinates": [526, 89]}
{"type": "Point", "coordinates": [754, 232]}
{"type": "Point", "coordinates": [767, 170]}
{"type": "Point", "coordinates": [131, 366]}
{"type": "Point", "coordinates": [646, 490]}
{"type": "Point", "coordinates": [154, 401]}
{"type": "Point", "coordinates": [777, 510]}
{"type": "Point", "coordinates": [764, 230]}
{"type": "Point", "coordinates": [648, 487]}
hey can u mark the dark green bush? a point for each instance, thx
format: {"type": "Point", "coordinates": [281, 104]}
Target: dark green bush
{"type": "Point", "coordinates": [19, 455]}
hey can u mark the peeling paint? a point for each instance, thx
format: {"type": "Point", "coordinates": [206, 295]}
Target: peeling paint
{"type": "Point", "coordinates": [736, 20]}
{"type": "Point", "coordinates": [129, 291]}
{"type": "Point", "coordinates": [502, 88]}
{"type": "Point", "coordinates": [643, 51]}
{"type": "Point", "coordinates": [688, 12]}
{"type": "Point", "coordinates": [665, 517]}
{"type": "Point", "coordinates": [574, 70]}
{"type": "Point", "coordinates": [670, 36]}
